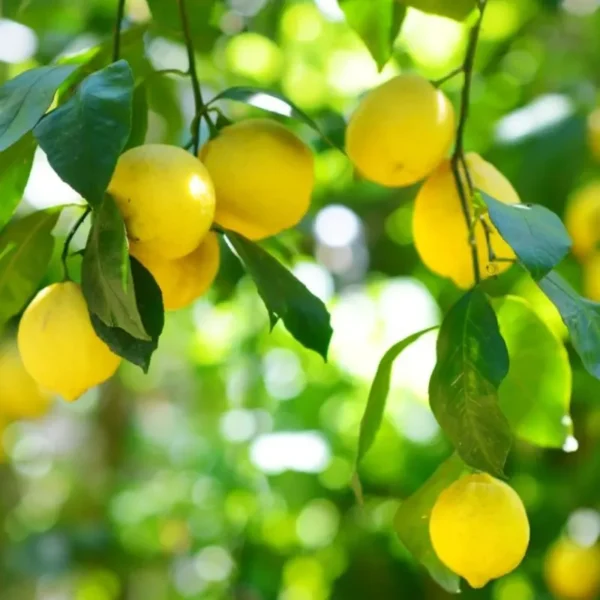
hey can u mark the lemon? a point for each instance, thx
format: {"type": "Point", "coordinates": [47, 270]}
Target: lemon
{"type": "Point", "coordinates": [263, 175]}
{"type": "Point", "coordinates": [20, 395]}
{"type": "Point", "coordinates": [440, 230]}
{"type": "Point", "coordinates": [166, 197]}
{"type": "Point", "coordinates": [58, 344]}
{"type": "Point", "coordinates": [400, 131]}
{"type": "Point", "coordinates": [591, 277]}
{"type": "Point", "coordinates": [572, 572]}
{"type": "Point", "coordinates": [182, 280]}
{"type": "Point", "coordinates": [582, 219]}
{"type": "Point", "coordinates": [479, 528]}
{"type": "Point", "coordinates": [594, 133]}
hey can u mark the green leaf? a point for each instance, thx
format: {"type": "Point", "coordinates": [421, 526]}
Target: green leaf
{"type": "Point", "coordinates": [106, 277]}
{"type": "Point", "coordinates": [536, 234]}
{"type": "Point", "coordinates": [378, 24]}
{"type": "Point", "coordinates": [25, 250]}
{"type": "Point", "coordinates": [84, 137]}
{"type": "Point", "coordinates": [472, 361]}
{"type": "Point", "coordinates": [373, 415]}
{"type": "Point", "coordinates": [535, 395]}
{"type": "Point", "coordinates": [412, 522]}
{"type": "Point", "coordinates": [15, 167]}
{"type": "Point", "coordinates": [261, 98]}
{"type": "Point", "coordinates": [25, 99]}
{"type": "Point", "coordinates": [286, 298]}
{"type": "Point", "coordinates": [150, 306]}
{"type": "Point", "coordinates": [139, 117]}
{"type": "Point", "coordinates": [458, 10]}
{"type": "Point", "coordinates": [581, 316]}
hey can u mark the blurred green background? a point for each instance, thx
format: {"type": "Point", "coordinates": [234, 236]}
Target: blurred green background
{"type": "Point", "coordinates": [224, 472]}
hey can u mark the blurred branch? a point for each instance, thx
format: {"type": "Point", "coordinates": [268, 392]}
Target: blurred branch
{"type": "Point", "coordinates": [200, 109]}
{"type": "Point", "coordinates": [117, 34]}
{"type": "Point", "coordinates": [453, 73]}
{"type": "Point", "coordinates": [458, 158]}
{"type": "Point", "coordinates": [69, 239]}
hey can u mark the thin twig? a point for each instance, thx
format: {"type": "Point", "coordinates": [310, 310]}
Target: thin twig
{"type": "Point", "coordinates": [198, 101]}
{"type": "Point", "coordinates": [177, 72]}
{"type": "Point", "coordinates": [453, 73]}
{"type": "Point", "coordinates": [65, 252]}
{"type": "Point", "coordinates": [117, 34]}
{"type": "Point", "coordinates": [458, 158]}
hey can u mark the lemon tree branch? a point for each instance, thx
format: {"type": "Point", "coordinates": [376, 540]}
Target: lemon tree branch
{"type": "Point", "coordinates": [117, 35]}
{"type": "Point", "coordinates": [465, 186]}
{"type": "Point", "coordinates": [65, 252]}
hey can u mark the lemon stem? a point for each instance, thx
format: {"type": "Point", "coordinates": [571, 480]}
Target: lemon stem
{"type": "Point", "coordinates": [200, 109]}
{"type": "Point", "coordinates": [117, 35]}
{"type": "Point", "coordinates": [65, 253]}
{"type": "Point", "coordinates": [465, 188]}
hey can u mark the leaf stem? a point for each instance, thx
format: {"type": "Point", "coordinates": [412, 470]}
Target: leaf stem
{"type": "Point", "coordinates": [458, 158]}
{"type": "Point", "coordinates": [200, 110]}
{"type": "Point", "coordinates": [117, 34]}
{"type": "Point", "coordinates": [65, 252]}
{"type": "Point", "coordinates": [447, 77]}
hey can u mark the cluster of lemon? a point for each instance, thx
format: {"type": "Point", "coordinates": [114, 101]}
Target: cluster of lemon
{"type": "Point", "coordinates": [402, 133]}
{"type": "Point", "coordinates": [255, 178]}
{"type": "Point", "coordinates": [583, 219]}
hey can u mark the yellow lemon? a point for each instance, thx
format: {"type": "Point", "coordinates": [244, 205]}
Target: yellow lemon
{"type": "Point", "coordinates": [594, 133]}
{"type": "Point", "coordinates": [572, 572]}
{"type": "Point", "coordinates": [182, 280]}
{"type": "Point", "coordinates": [582, 219]}
{"type": "Point", "coordinates": [400, 131]}
{"type": "Point", "coordinates": [20, 395]}
{"type": "Point", "coordinates": [591, 277]}
{"type": "Point", "coordinates": [59, 346]}
{"type": "Point", "coordinates": [263, 175]}
{"type": "Point", "coordinates": [479, 528]}
{"type": "Point", "coordinates": [440, 230]}
{"type": "Point", "coordinates": [166, 197]}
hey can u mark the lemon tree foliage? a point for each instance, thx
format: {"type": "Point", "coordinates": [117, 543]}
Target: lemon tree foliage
{"type": "Point", "coordinates": [472, 362]}
{"type": "Point", "coordinates": [304, 315]}
{"type": "Point", "coordinates": [455, 9]}
{"type": "Point", "coordinates": [106, 276]}
{"type": "Point", "coordinates": [377, 23]}
{"type": "Point", "coordinates": [536, 234]}
{"type": "Point", "coordinates": [97, 122]}
{"type": "Point", "coordinates": [25, 250]}
{"type": "Point", "coordinates": [150, 307]}
{"type": "Point", "coordinates": [25, 99]}
{"type": "Point", "coordinates": [535, 395]}
{"type": "Point", "coordinates": [139, 117]}
{"type": "Point", "coordinates": [581, 316]}
{"type": "Point", "coordinates": [412, 522]}
{"type": "Point", "coordinates": [15, 167]}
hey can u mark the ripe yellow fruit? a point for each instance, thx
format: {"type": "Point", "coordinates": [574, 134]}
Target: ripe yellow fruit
{"type": "Point", "coordinates": [183, 280]}
{"type": "Point", "coordinates": [572, 572]}
{"type": "Point", "coordinates": [20, 395]}
{"type": "Point", "coordinates": [263, 175]}
{"type": "Point", "coordinates": [166, 197]}
{"type": "Point", "coordinates": [440, 230]}
{"type": "Point", "coordinates": [59, 346]}
{"type": "Point", "coordinates": [594, 133]}
{"type": "Point", "coordinates": [582, 219]}
{"type": "Point", "coordinates": [479, 528]}
{"type": "Point", "coordinates": [591, 277]}
{"type": "Point", "coordinates": [400, 131]}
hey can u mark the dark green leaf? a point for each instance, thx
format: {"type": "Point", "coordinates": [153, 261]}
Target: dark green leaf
{"type": "Point", "coordinates": [581, 316]}
{"type": "Point", "coordinates": [25, 250]}
{"type": "Point", "coordinates": [412, 522]}
{"type": "Point", "coordinates": [263, 99]}
{"type": "Point", "coordinates": [536, 394]}
{"type": "Point", "coordinates": [84, 137]}
{"type": "Point", "coordinates": [286, 298]}
{"type": "Point", "coordinates": [15, 166]}
{"type": "Point", "coordinates": [25, 99]}
{"type": "Point", "coordinates": [373, 415]}
{"type": "Point", "coordinates": [455, 9]}
{"type": "Point", "coordinates": [378, 24]}
{"type": "Point", "coordinates": [536, 234]}
{"type": "Point", "coordinates": [139, 118]}
{"type": "Point", "coordinates": [150, 306]}
{"type": "Point", "coordinates": [106, 275]}
{"type": "Point", "coordinates": [472, 361]}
